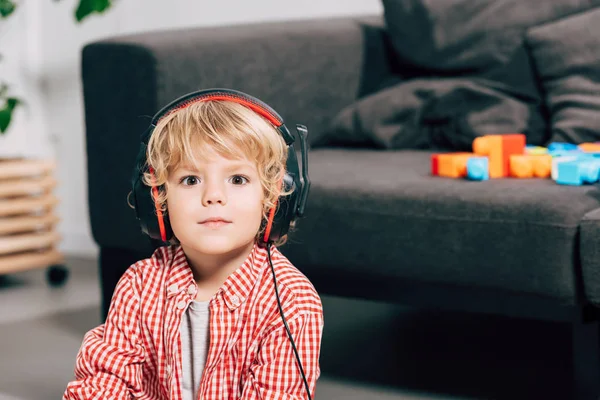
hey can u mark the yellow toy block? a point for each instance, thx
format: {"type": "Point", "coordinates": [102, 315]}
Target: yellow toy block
{"type": "Point", "coordinates": [536, 150]}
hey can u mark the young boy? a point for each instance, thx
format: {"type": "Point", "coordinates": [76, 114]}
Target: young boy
{"type": "Point", "coordinates": [200, 319]}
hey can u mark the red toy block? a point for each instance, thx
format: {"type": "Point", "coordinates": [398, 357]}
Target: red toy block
{"type": "Point", "coordinates": [434, 164]}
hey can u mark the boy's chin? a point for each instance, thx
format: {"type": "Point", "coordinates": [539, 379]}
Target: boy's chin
{"type": "Point", "coordinates": [219, 245]}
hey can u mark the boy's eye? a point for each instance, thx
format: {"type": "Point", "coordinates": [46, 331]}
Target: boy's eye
{"type": "Point", "coordinates": [189, 180]}
{"type": "Point", "coordinates": [238, 180]}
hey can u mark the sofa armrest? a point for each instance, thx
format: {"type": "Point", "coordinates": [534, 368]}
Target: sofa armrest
{"type": "Point", "coordinates": [306, 70]}
{"type": "Point", "coordinates": [589, 249]}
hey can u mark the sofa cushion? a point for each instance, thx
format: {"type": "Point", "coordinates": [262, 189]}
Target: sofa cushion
{"type": "Point", "coordinates": [381, 213]}
{"type": "Point", "coordinates": [566, 58]}
{"type": "Point", "coordinates": [474, 39]}
{"type": "Point", "coordinates": [466, 35]}
{"type": "Point", "coordinates": [434, 114]}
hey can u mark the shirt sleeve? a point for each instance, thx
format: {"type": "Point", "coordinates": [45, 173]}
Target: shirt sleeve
{"type": "Point", "coordinates": [109, 362]}
{"type": "Point", "coordinates": [275, 373]}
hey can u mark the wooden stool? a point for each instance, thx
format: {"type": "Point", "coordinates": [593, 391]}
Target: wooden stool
{"type": "Point", "coordinates": [28, 238]}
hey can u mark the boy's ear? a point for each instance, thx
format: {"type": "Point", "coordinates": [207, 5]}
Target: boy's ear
{"type": "Point", "coordinates": [131, 205]}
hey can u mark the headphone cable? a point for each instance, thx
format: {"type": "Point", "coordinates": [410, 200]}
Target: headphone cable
{"type": "Point", "coordinates": [286, 325]}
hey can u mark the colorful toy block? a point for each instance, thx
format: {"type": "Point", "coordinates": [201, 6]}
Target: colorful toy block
{"type": "Point", "coordinates": [567, 157]}
{"type": "Point", "coordinates": [498, 156]}
{"type": "Point", "coordinates": [435, 164]}
{"type": "Point", "coordinates": [542, 166]}
{"type": "Point", "coordinates": [478, 168]}
{"type": "Point", "coordinates": [453, 165]}
{"type": "Point", "coordinates": [530, 165]}
{"type": "Point", "coordinates": [559, 146]}
{"type": "Point", "coordinates": [535, 150]}
{"type": "Point", "coordinates": [561, 153]}
{"type": "Point", "coordinates": [499, 148]}
{"type": "Point", "coordinates": [578, 172]}
{"type": "Point", "coordinates": [589, 147]}
{"type": "Point", "coordinates": [435, 161]}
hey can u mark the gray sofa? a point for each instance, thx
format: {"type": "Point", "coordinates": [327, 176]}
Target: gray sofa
{"type": "Point", "coordinates": [377, 225]}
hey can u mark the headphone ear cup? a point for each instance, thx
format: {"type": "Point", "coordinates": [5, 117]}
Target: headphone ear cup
{"type": "Point", "coordinates": [153, 222]}
{"type": "Point", "coordinates": [280, 218]}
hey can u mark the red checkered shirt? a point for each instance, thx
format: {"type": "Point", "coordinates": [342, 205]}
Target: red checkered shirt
{"type": "Point", "coordinates": [136, 353]}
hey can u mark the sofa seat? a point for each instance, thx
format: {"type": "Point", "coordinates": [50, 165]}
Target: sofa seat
{"type": "Point", "coordinates": [383, 211]}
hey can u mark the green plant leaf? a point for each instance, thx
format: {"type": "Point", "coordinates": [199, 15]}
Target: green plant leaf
{"type": "Point", "coordinates": [6, 113]}
{"type": "Point", "coordinates": [88, 7]}
{"type": "Point", "coordinates": [13, 102]}
{"type": "Point", "coordinates": [5, 117]}
{"type": "Point", "coordinates": [6, 8]}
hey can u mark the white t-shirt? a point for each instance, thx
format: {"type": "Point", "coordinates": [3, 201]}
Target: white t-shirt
{"type": "Point", "coordinates": [194, 346]}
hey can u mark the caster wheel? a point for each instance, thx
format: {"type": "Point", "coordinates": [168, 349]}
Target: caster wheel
{"type": "Point", "coordinates": [57, 275]}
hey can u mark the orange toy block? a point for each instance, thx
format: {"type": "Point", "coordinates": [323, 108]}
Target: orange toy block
{"type": "Point", "coordinates": [453, 165]}
{"type": "Point", "coordinates": [435, 161]}
{"type": "Point", "coordinates": [498, 149]}
{"type": "Point", "coordinates": [590, 147]}
{"type": "Point", "coordinates": [530, 165]}
{"type": "Point", "coordinates": [542, 165]}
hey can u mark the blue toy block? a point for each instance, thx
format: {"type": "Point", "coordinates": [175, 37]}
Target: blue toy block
{"type": "Point", "coordinates": [478, 169]}
{"type": "Point", "coordinates": [563, 152]}
{"type": "Point", "coordinates": [568, 157]}
{"type": "Point", "coordinates": [578, 172]}
{"type": "Point", "coordinates": [559, 146]}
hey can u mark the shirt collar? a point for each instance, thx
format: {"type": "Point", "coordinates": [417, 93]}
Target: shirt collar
{"type": "Point", "coordinates": [237, 286]}
{"type": "Point", "coordinates": [180, 276]}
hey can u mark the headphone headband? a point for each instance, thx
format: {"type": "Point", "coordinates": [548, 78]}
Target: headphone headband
{"type": "Point", "coordinates": [253, 103]}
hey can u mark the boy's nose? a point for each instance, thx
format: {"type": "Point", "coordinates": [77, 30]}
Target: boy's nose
{"type": "Point", "coordinates": [214, 194]}
{"type": "Point", "coordinates": [214, 201]}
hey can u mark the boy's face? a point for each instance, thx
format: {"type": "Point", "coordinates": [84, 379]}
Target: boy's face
{"type": "Point", "coordinates": [216, 208]}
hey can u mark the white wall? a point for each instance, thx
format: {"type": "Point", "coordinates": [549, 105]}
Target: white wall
{"type": "Point", "coordinates": [19, 46]}
{"type": "Point", "coordinates": [50, 55]}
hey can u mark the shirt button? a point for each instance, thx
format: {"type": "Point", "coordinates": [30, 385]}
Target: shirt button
{"type": "Point", "coordinates": [235, 300]}
{"type": "Point", "coordinates": [173, 288]}
{"type": "Point", "coordinates": [192, 289]}
{"type": "Point", "coordinates": [181, 305]}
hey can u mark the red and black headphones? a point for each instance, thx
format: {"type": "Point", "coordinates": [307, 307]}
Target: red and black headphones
{"type": "Point", "coordinates": [156, 224]}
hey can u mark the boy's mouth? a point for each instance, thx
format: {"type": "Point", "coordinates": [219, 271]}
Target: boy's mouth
{"type": "Point", "coordinates": [214, 222]}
